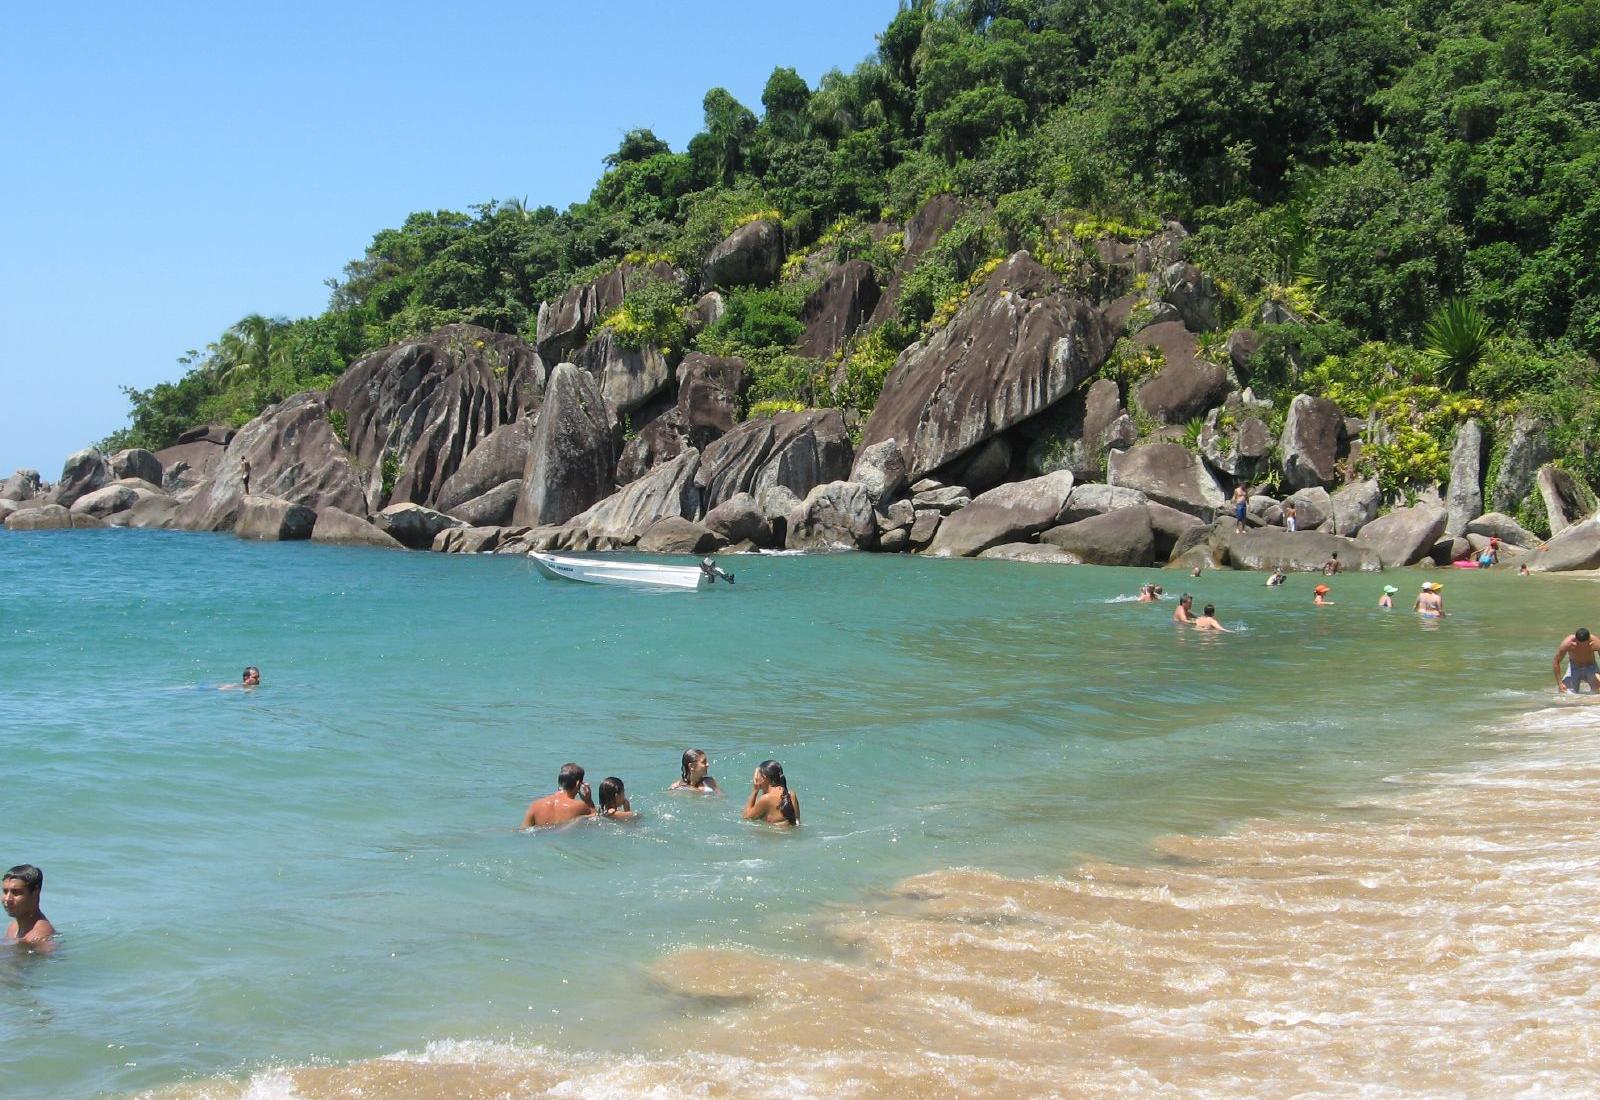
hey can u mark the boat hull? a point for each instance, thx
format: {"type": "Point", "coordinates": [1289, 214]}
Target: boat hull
{"type": "Point", "coordinates": [627, 574]}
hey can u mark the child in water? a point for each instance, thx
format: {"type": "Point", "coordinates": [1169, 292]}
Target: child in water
{"type": "Point", "coordinates": [614, 802]}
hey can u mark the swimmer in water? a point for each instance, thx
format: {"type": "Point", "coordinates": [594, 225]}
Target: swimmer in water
{"type": "Point", "coordinates": [1184, 613]}
{"type": "Point", "coordinates": [1332, 565]}
{"type": "Point", "coordinates": [614, 802]}
{"type": "Point", "coordinates": [1386, 600]}
{"type": "Point", "coordinates": [29, 927]}
{"type": "Point", "coordinates": [1320, 596]}
{"type": "Point", "coordinates": [571, 801]}
{"type": "Point", "coordinates": [694, 778]}
{"type": "Point", "coordinates": [250, 679]}
{"type": "Point", "coordinates": [1276, 579]}
{"type": "Point", "coordinates": [1208, 621]}
{"type": "Point", "coordinates": [1583, 663]}
{"type": "Point", "coordinates": [1522, 571]}
{"type": "Point", "coordinates": [770, 798]}
{"type": "Point", "coordinates": [1430, 605]}
{"type": "Point", "coordinates": [1147, 593]}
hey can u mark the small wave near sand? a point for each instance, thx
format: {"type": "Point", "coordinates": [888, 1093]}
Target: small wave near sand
{"type": "Point", "coordinates": [1441, 941]}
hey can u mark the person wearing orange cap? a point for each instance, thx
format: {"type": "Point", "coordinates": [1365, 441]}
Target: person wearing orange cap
{"type": "Point", "coordinates": [1320, 596]}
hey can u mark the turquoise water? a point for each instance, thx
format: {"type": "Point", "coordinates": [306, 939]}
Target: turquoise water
{"type": "Point", "coordinates": [329, 867]}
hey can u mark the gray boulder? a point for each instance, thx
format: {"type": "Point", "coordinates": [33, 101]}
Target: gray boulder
{"type": "Point", "coordinates": [1354, 506]}
{"type": "Point", "coordinates": [629, 377]}
{"type": "Point", "coordinates": [1174, 531]}
{"type": "Point", "coordinates": [658, 438]}
{"type": "Point", "coordinates": [493, 509]}
{"type": "Point", "coordinates": [472, 540]}
{"type": "Point", "coordinates": [1406, 535]}
{"type": "Point", "coordinates": [1566, 499]}
{"type": "Point", "coordinates": [739, 519]}
{"type": "Point", "coordinates": [414, 526]}
{"type": "Point", "coordinates": [1527, 449]}
{"type": "Point", "coordinates": [1186, 385]}
{"type": "Point", "coordinates": [945, 499]}
{"type": "Point", "coordinates": [1008, 513]}
{"type": "Point", "coordinates": [667, 490]}
{"type": "Point", "coordinates": [881, 470]}
{"type": "Point", "coordinates": [158, 513]}
{"type": "Point", "coordinates": [272, 519]}
{"type": "Point", "coordinates": [1170, 474]}
{"type": "Point", "coordinates": [985, 467]}
{"type": "Point", "coordinates": [7, 507]}
{"type": "Point", "coordinates": [1097, 500]}
{"type": "Point", "coordinates": [711, 392]}
{"type": "Point", "coordinates": [566, 323]}
{"type": "Point", "coordinates": [1503, 527]}
{"type": "Point", "coordinates": [798, 450]}
{"type": "Point", "coordinates": [848, 295]}
{"type": "Point", "coordinates": [46, 517]}
{"type": "Point", "coordinates": [136, 462]}
{"type": "Point", "coordinates": [676, 535]}
{"type": "Point", "coordinates": [190, 465]}
{"type": "Point", "coordinates": [501, 456]}
{"type": "Point", "coordinates": [1037, 553]}
{"type": "Point", "coordinates": [83, 473]}
{"type": "Point", "coordinates": [1310, 442]}
{"type": "Point", "coordinates": [835, 516]}
{"type": "Point", "coordinates": [570, 458]}
{"type": "Point", "coordinates": [751, 255]}
{"type": "Point", "coordinates": [107, 501]}
{"type": "Point", "coordinates": [924, 526]}
{"type": "Point", "coordinates": [1312, 508]}
{"type": "Point", "coordinates": [1242, 345]}
{"type": "Point", "coordinates": [1239, 451]}
{"type": "Point", "coordinates": [1018, 345]}
{"type": "Point", "coordinates": [707, 310]}
{"type": "Point", "coordinates": [21, 485]}
{"type": "Point", "coordinates": [1123, 537]}
{"type": "Point", "coordinates": [340, 528]}
{"type": "Point", "coordinates": [1464, 499]}
{"type": "Point", "coordinates": [1449, 549]}
{"type": "Point", "coordinates": [898, 516]}
{"type": "Point", "coordinates": [1268, 548]}
{"type": "Point", "coordinates": [1577, 547]}
{"type": "Point", "coordinates": [1193, 293]}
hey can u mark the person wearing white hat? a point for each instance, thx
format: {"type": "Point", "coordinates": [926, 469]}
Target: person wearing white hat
{"type": "Point", "coordinates": [1430, 605]}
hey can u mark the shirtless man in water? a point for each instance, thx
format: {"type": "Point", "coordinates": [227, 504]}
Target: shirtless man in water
{"type": "Point", "coordinates": [1184, 612]}
{"type": "Point", "coordinates": [19, 889]}
{"type": "Point", "coordinates": [1583, 662]}
{"type": "Point", "coordinates": [569, 803]}
{"type": "Point", "coordinates": [1208, 621]}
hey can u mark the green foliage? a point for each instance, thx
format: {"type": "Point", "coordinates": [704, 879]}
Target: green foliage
{"type": "Point", "coordinates": [1357, 380]}
{"type": "Point", "coordinates": [340, 423]}
{"type": "Point", "coordinates": [1416, 427]}
{"type": "Point", "coordinates": [1458, 336]}
{"type": "Point", "coordinates": [756, 319]}
{"type": "Point", "coordinates": [652, 315]}
{"type": "Point", "coordinates": [866, 366]}
{"type": "Point", "coordinates": [389, 472]}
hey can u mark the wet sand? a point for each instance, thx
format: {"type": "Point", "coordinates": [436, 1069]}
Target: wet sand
{"type": "Point", "coordinates": [1442, 941]}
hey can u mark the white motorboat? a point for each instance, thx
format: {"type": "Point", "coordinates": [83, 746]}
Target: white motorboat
{"type": "Point", "coordinates": [636, 574]}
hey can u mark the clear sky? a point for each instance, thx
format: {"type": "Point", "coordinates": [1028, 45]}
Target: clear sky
{"type": "Point", "coordinates": [167, 168]}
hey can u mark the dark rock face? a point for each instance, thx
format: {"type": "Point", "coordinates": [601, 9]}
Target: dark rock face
{"type": "Point", "coordinates": [1310, 442]}
{"type": "Point", "coordinates": [412, 525]}
{"type": "Point", "coordinates": [881, 468]}
{"type": "Point", "coordinates": [1005, 357]}
{"type": "Point", "coordinates": [629, 377]}
{"type": "Point", "coordinates": [293, 454]}
{"type": "Point", "coordinates": [429, 402]}
{"type": "Point", "coordinates": [136, 462]}
{"type": "Point", "coordinates": [493, 509]}
{"type": "Point", "coordinates": [738, 519]}
{"type": "Point", "coordinates": [676, 535]}
{"type": "Point", "coordinates": [271, 519]}
{"type": "Point", "coordinates": [661, 439]}
{"type": "Point", "coordinates": [1302, 551]}
{"type": "Point", "coordinates": [1076, 432]}
{"type": "Point", "coordinates": [751, 255]}
{"type": "Point", "coordinates": [1009, 513]}
{"type": "Point", "coordinates": [848, 295]}
{"type": "Point", "coordinates": [921, 233]}
{"type": "Point", "coordinates": [1503, 527]}
{"type": "Point", "coordinates": [1186, 386]}
{"type": "Point", "coordinates": [219, 435]}
{"type": "Point", "coordinates": [1124, 537]}
{"type": "Point", "coordinates": [710, 393]}
{"type": "Point", "coordinates": [1464, 498]}
{"type": "Point", "coordinates": [667, 490]}
{"type": "Point", "coordinates": [1174, 531]}
{"type": "Point", "coordinates": [707, 311]}
{"type": "Point", "coordinates": [1405, 536]}
{"type": "Point", "coordinates": [1355, 506]}
{"type": "Point", "coordinates": [566, 323]}
{"type": "Point", "coordinates": [985, 467]}
{"type": "Point", "coordinates": [21, 485]}
{"type": "Point", "coordinates": [835, 516]}
{"type": "Point", "coordinates": [570, 459]}
{"type": "Point", "coordinates": [1169, 474]}
{"type": "Point", "coordinates": [798, 451]}
{"type": "Point", "coordinates": [500, 457]}
{"type": "Point", "coordinates": [1192, 293]}
{"type": "Point", "coordinates": [185, 465]}
{"type": "Point", "coordinates": [1566, 499]}
{"type": "Point", "coordinates": [343, 529]}
{"type": "Point", "coordinates": [1577, 547]}
{"type": "Point", "coordinates": [1526, 450]}
{"type": "Point", "coordinates": [1242, 347]}
{"type": "Point", "coordinates": [83, 473]}
{"type": "Point", "coordinates": [1102, 407]}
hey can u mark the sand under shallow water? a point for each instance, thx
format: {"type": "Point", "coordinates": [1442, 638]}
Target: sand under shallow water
{"type": "Point", "coordinates": [1441, 941]}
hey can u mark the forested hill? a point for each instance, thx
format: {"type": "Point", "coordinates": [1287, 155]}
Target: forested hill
{"type": "Point", "coordinates": [1413, 185]}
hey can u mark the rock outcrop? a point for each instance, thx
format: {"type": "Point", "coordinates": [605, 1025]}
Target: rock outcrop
{"type": "Point", "coordinates": [1527, 449]}
{"type": "Point", "coordinates": [881, 468]}
{"type": "Point", "coordinates": [834, 516]}
{"type": "Point", "coordinates": [1034, 553]}
{"type": "Point", "coordinates": [1193, 293]}
{"type": "Point", "coordinates": [272, 519]}
{"type": "Point", "coordinates": [629, 377]}
{"type": "Point", "coordinates": [1310, 442]}
{"type": "Point", "coordinates": [136, 462]}
{"type": "Point", "coordinates": [798, 451]}
{"type": "Point", "coordinates": [1016, 347]}
{"type": "Point", "coordinates": [83, 473]}
{"type": "Point", "coordinates": [493, 509]}
{"type": "Point", "coordinates": [1122, 537]}
{"type": "Point", "coordinates": [848, 295]}
{"type": "Point", "coordinates": [739, 519]}
{"type": "Point", "coordinates": [1354, 506]}
{"type": "Point", "coordinates": [1464, 498]}
{"type": "Point", "coordinates": [412, 412]}
{"type": "Point", "coordinates": [570, 458]}
{"type": "Point", "coordinates": [49, 517]}
{"type": "Point", "coordinates": [1008, 513]}
{"type": "Point", "coordinates": [566, 323]}
{"type": "Point", "coordinates": [751, 255]}
{"type": "Point", "coordinates": [667, 490]}
{"type": "Point", "coordinates": [1405, 536]}
{"type": "Point", "coordinates": [21, 485]}
{"type": "Point", "coordinates": [676, 535]}
{"type": "Point", "coordinates": [107, 501]}
{"type": "Point", "coordinates": [1170, 474]}
{"type": "Point", "coordinates": [414, 526]}
{"type": "Point", "coordinates": [711, 391]}
{"type": "Point", "coordinates": [1186, 385]}
{"type": "Point", "coordinates": [1566, 499]}
{"type": "Point", "coordinates": [500, 457]}
{"type": "Point", "coordinates": [1297, 551]}
{"type": "Point", "coordinates": [343, 529]}
{"type": "Point", "coordinates": [1503, 527]}
{"type": "Point", "coordinates": [1097, 500]}
{"type": "Point", "coordinates": [1577, 547]}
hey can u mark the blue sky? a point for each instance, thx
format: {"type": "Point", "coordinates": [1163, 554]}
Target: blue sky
{"type": "Point", "coordinates": [171, 167]}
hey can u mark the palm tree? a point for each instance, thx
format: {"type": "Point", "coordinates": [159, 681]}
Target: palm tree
{"type": "Point", "coordinates": [248, 347]}
{"type": "Point", "coordinates": [1457, 335]}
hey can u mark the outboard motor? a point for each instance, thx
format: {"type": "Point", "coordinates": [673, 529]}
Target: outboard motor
{"type": "Point", "coordinates": [712, 570]}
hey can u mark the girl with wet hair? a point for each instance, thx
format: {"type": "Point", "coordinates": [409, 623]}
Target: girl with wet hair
{"type": "Point", "coordinates": [614, 800]}
{"type": "Point", "coordinates": [695, 767]}
{"type": "Point", "coordinates": [770, 798]}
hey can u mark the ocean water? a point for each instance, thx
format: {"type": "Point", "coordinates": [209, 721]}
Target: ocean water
{"type": "Point", "coordinates": [1046, 831]}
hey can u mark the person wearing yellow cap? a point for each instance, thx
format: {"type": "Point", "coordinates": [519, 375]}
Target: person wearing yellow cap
{"type": "Point", "coordinates": [1386, 600]}
{"type": "Point", "coordinates": [1430, 605]}
{"type": "Point", "coordinates": [1319, 596]}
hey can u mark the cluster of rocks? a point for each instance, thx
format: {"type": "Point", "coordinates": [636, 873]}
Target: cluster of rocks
{"type": "Point", "coordinates": [996, 436]}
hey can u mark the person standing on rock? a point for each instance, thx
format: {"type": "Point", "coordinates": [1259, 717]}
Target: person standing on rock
{"type": "Point", "coordinates": [1185, 610]}
{"type": "Point", "coordinates": [1241, 507]}
{"type": "Point", "coordinates": [244, 475]}
{"type": "Point", "coordinates": [1583, 662]}
{"type": "Point", "coordinates": [569, 803]}
{"type": "Point", "coordinates": [1288, 515]}
{"type": "Point", "coordinates": [1208, 621]}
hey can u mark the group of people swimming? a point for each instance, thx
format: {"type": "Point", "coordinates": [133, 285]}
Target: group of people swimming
{"type": "Point", "coordinates": [771, 801]}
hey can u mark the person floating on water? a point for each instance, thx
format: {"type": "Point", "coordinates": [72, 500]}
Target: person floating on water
{"type": "Point", "coordinates": [20, 889]}
{"type": "Point", "coordinates": [614, 802]}
{"type": "Point", "coordinates": [770, 798]}
{"type": "Point", "coordinates": [1208, 621]}
{"type": "Point", "coordinates": [1320, 594]}
{"type": "Point", "coordinates": [1430, 605]}
{"type": "Point", "coordinates": [1332, 565]}
{"type": "Point", "coordinates": [569, 803]}
{"type": "Point", "coordinates": [1276, 579]}
{"type": "Point", "coordinates": [1387, 599]}
{"type": "Point", "coordinates": [1583, 665]}
{"type": "Point", "coordinates": [250, 679]}
{"type": "Point", "coordinates": [1184, 613]}
{"type": "Point", "coordinates": [695, 777]}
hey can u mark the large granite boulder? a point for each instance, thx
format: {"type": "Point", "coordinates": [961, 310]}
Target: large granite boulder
{"type": "Point", "coordinates": [1123, 537]}
{"type": "Point", "coordinates": [1193, 293]}
{"type": "Point", "coordinates": [1174, 531]}
{"type": "Point", "coordinates": [136, 462]}
{"type": "Point", "coordinates": [1310, 442]}
{"type": "Point", "coordinates": [659, 436]}
{"type": "Point", "coordinates": [1503, 527]}
{"type": "Point", "coordinates": [43, 517]}
{"type": "Point", "coordinates": [107, 501]}
{"type": "Point", "coordinates": [343, 529]}
{"type": "Point", "coordinates": [629, 377]}
{"type": "Point", "coordinates": [676, 535]}
{"type": "Point", "coordinates": [1007, 513]}
{"type": "Point", "coordinates": [711, 392]}
{"type": "Point", "coordinates": [570, 458]}
{"type": "Point", "coordinates": [881, 468]}
{"type": "Point", "coordinates": [1017, 346]}
{"type": "Point", "coordinates": [739, 519]}
{"type": "Point", "coordinates": [1464, 498]}
{"type": "Point", "coordinates": [493, 509]}
{"type": "Point", "coordinates": [292, 453]}
{"type": "Point", "coordinates": [1576, 547]}
{"type": "Point", "coordinates": [931, 221]}
{"type": "Point", "coordinates": [83, 473]}
{"type": "Point", "coordinates": [1297, 551]}
{"type": "Point", "coordinates": [500, 457]}
{"type": "Point", "coordinates": [799, 451]}
{"type": "Point", "coordinates": [566, 323]}
{"type": "Point", "coordinates": [751, 255]}
{"type": "Point", "coordinates": [1076, 432]}
{"type": "Point", "coordinates": [1186, 385]}
{"type": "Point", "coordinates": [422, 406]}
{"type": "Point", "coordinates": [9, 506]}
{"type": "Point", "coordinates": [667, 490]}
{"type": "Point", "coordinates": [1406, 535]}
{"type": "Point", "coordinates": [1239, 450]}
{"type": "Point", "coordinates": [474, 540]}
{"type": "Point", "coordinates": [1097, 500]}
{"type": "Point", "coordinates": [414, 526]}
{"type": "Point", "coordinates": [1355, 506]}
{"type": "Point", "coordinates": [1527, 449]}
{"type": "Point", "coordinates": [1566, 499]}
{"type": "Point", "coordinates": [218, 435]}
{"type": "Point", "coordinates": [1170, 474]}
{"type": "Point", "coordinates": [21, 485]}
{"type": "Point", "coordinates": [848, 295]}
{"type": "Point", "coordinates": [272, 519]}
{"type": "Point", "coordinates": [1312, 508]}
{"type": "Point", "coordinates": [835, 516]}
{"type": "Point", "coordinates": [156, 513]}
{"type": "Point", "coordinates": [985, 467]}
{"type": "Point", "coordinates": [188, 465]}
{"type": "Point", "coordinates": [1033, 553]}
